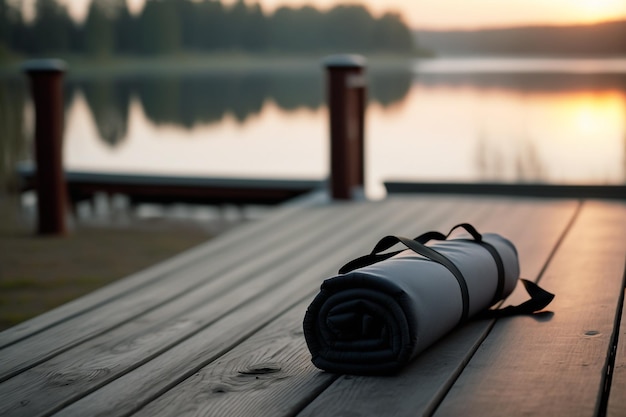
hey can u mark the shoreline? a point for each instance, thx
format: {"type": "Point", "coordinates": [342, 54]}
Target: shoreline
{"type": "Point", "coordinates": [190, 63]}
{"type": "Point", "coordinates": [80, 67]}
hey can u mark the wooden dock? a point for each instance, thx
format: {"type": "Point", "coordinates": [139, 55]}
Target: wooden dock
{"type": "Point", "coordinates": [164, 189]}
{"type": "Point", "coordinates": [217, 330]}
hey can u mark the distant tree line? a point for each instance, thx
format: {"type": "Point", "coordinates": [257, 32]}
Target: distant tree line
{"type": "Point", "coordinates": [169, 26]}
{"type": "Point", "coordinates": [599, 39]}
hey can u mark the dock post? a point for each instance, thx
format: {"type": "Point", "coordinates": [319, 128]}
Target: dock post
{"type": "Point", "coordinates": [346, 91]}
{"type": "Point", "coordinates": [46, 81]}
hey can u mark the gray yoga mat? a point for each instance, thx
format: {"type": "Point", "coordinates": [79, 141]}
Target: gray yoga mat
{"type": "Point", "coordinates": [377, 318]}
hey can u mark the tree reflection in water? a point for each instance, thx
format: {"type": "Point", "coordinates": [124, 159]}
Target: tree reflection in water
{"type": "Point", "coordinates": [507, 126]}
{"type": "Point", "coordinates": [189, 100]}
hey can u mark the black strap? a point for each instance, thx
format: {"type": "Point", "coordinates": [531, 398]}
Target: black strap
{"type": "Point", "coordinates": [421, 249]}
{"type": "Point", "coordinates": [433, 255]}
{"type": "Point", "coordinates": [499, 293]}
{"type": "Point", "coordinates": [425, 237]}
{"type": "Point", "coordinates": [478, 238]}
{"type": "Point", "coordinates": [375, 256]}
{"type": "Point", "coordinates": [366, 260]}
{"type": "Point", "coordinates": [540, 298]}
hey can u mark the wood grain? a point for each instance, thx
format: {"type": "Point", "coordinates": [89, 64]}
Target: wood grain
{"type": "Point", "coordinates": [174, 284]}
{"type": "Point", "coordinates": [169, 369]}
{"type": "Point", "coordinates": [269, 374]}
{"type": "Point", "coordinates": [147, 276]}
{"type": "Point", "coordinates": [554, 367]}
{"type": "Point", "coordinates": [418, 389]}
{"type": "Point", "coordinates": [231, 386]}
{"type": "Point", "coordinates": [138, 341]}
{"type": "Point", "coordinates": [218, 331]}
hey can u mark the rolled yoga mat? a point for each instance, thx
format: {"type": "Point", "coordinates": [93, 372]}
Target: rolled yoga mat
{"type": "Point", "coordinates": [378, 317]}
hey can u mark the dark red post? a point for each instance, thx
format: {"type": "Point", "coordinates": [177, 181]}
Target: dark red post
{"type": "Point", "coordinates": [346, 90]}
{"type": "Point", "coordinates": [46, 79]}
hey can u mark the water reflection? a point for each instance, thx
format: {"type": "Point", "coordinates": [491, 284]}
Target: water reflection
{"type": "Point", "coordinates": [108, 102]}
{"type": "Point", "coordinates": [471, 132]}
{"type": "Point", "coordinates": [555, 127]}
{"type": "Point", "coordinates": [192, 100]}
{"type": "Point", "coordinates": [526, 164]}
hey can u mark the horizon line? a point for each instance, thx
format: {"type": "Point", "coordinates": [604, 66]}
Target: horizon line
{"type": "Point", "coordinates": [515, 26]}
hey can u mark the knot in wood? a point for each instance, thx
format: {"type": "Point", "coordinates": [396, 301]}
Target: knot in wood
{"type": "Point", "coordinates": [261, 369]}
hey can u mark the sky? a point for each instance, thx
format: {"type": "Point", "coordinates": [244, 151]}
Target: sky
{"type": "Point", "coordinates": [455, 14]}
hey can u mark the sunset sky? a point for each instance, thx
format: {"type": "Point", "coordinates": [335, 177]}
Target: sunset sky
{"type": "Point", "coordinates": [445, 14]}
{"type": "Point", "coordinates": [480, 13]}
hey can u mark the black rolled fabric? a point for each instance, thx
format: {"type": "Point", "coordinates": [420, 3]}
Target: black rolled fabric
{"type": "Point", "coordinates": [377, 318]}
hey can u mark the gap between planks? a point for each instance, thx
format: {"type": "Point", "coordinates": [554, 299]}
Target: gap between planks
{"type": "Point", "coordinates": [555, 367]}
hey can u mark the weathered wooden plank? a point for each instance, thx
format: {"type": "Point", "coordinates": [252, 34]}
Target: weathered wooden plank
{"type": "Point", "coordinates": [228, 386]}
{"type": "Point", "coordinates": [146, 382]}
{"type": "Point", "coordinates": [269, 374]}
{"type": "Point", "coordinates": [555, 367]}
{"type": "Point", "coordinates": [617, 399]}
{"type": "Point", "coordinates": [534, 227]}
{"type": "Point", "coordinates": [137, 281]}
{"type": "Point", "coordinates": [135, 342]}
{"type": "Point", "coordinates": [73, 373]}
{"type": "Point", "coordinates": [165, 189]}
{"type": "Point", "coordinates": [224, 264]}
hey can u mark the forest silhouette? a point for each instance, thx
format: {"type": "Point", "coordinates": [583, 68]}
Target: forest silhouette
{"type": "Point", "coordinates": [171, 26]}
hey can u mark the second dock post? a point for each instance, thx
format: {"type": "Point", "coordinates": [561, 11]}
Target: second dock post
{"type": "Point", "coordinates": [346, 95]}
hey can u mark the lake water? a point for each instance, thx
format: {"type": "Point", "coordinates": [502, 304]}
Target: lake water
{"type": "Point", "coordinates": [496, 120]}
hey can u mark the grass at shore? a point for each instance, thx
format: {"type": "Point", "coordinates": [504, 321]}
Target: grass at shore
{"type": "Point", "coordinates": [40, 273]}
